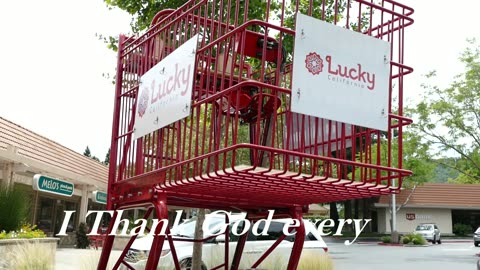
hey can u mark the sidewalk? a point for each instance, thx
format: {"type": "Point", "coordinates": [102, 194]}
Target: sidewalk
{"type": "Point", "coordinates": [80, 259]}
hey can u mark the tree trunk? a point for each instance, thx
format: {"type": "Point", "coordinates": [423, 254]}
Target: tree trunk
{"type": "Point", "coordinates": [348, 213]}
{"type": "Point", "coordinates": [356, 211]}
{"type": "Point", "coordinates": [197, 246]}
{"type": "Point", "coordinates": [334, 214]}
{"type": "Point", "coordinates": [367, 213]}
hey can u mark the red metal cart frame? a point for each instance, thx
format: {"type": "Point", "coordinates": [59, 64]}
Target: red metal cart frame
{"type": "Point", "coordinates": [241, 147]}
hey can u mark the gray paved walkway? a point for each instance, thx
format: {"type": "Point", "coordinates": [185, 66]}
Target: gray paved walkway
{"type": "Point", "coordinates": [79, 259]}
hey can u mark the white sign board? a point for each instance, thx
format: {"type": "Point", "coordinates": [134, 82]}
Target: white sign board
{"type": "Point", "coordinates": [340, 74]}
{"type": "Point", "coordinates": [165, 92]}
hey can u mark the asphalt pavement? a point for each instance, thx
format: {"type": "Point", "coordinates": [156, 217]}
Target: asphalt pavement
{"type": "Point", "coordinates": [363, 255]}
{"type": "Point", "coordinates": [450, 255]}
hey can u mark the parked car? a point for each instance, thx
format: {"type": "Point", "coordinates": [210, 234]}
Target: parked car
{"type": "Point", "coordinates": [430, 232]}
{"type": "Point", "coordinates": [213, 250]}
{"type": "Point", "coordinates": [476, 237]}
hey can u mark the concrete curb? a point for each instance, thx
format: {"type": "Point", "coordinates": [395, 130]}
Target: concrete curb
{"type": "Point", "coordinates": [390, 244]}
{"type": "Point", "coordinates": [416, 245]}
{"type": "Point", "coordinates": [456, 241]}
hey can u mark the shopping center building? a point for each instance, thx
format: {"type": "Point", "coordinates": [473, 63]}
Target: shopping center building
{"type": "Point", "coordinates": [54, 177]}
{"type": "Point", "coordinates": [440, 203]}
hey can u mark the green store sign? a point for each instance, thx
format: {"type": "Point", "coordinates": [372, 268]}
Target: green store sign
{"type": "Point", "coordinates": [100, 197]}
{"type": "Point", "coordinates": [51, 185]}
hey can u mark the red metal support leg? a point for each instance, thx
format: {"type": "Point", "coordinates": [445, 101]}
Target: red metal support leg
{"type": "Point", "coordinates": [227, 242]}
{"type": "Point", "coordinates": [238, 251]}
{"type": "Point", "coordinates": [299, 240]}
{"type": "Point", "coordinates": [161, 210]}
{"type": "Point", "coordinates": [173, 250]}
{"type": "Point", "coordinates": [269, 251]}
{"type": "Point", "coordinates": [121, 259]}
{"type": "Point", "coordinates": [107, 246]}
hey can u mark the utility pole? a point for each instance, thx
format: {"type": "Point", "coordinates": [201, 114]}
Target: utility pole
{"type": "Point", "coordinates": [394, 215]}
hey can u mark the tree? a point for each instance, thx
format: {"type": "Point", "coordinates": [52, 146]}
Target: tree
{"type": "Point", "coordinates": [87, 152]}
{"type": "Point", "coordinates": [107, 158]}
{"type": "Point", "coordinates": [449, 119]}
{"type": "Point", "coordinates": [414, 158]}
{"type": "Point", "coordinates": [81, 234]}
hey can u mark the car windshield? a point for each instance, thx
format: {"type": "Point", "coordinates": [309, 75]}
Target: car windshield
{"type": "Point", "coordinates": [478, 230]}
{"type": "Point", "coordinates": [424, 228]}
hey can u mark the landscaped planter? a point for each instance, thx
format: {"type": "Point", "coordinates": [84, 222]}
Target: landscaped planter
{"type": "Point", "coordinates": [34, 253]}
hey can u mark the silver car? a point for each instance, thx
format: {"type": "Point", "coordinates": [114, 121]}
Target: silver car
{"type": "Point", "coordinates": [430, 232]}
{"type": "Point", "coordinates": [476, 237]}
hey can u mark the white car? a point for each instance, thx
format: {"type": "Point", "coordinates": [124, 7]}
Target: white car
{"type": "Point", "coordinates": [213, 250]}
{"type": "Point", "coordinates": [430, 232]}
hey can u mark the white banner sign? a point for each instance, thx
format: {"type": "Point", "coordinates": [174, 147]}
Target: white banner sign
{"type": "Point", "coordinates": [165, 92]}
{"type": "Point", "coordinates": [340, 74]}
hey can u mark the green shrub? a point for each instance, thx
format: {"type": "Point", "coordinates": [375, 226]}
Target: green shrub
{"type": "Point", "coordinates": [413, 239]}
{"type": "Point", "coordinates": [460, 229]}
{"type": "Point", "coordinates": [406, 239]}
{"type": "Point", "coordinates": [13, 208]}
{"type": "Point", "coordinates": [82, 238]}
{"type": "Point", "coordinates": [419, 240]}
{"type": "Point", "coordinates": [26, 231]}
{"type": "Point", "coordinates": [386, 239]}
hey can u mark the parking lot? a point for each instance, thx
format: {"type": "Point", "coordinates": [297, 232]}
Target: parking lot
{"type": "Point", "coordinates": [451, 255]}
{"type": "Point", "coordinates": [447, 256]}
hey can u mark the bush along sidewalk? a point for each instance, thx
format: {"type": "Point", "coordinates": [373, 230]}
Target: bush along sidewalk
{"type": "Point", "coordinates": [13, 208]}
{"type": "Point", "coordinates": [13, 213]}
{"type": "Point", "coordinates": [82, 238]}
{"type": "Point", "coordinates": [26, 231]}
{"type": "Point", "coordinates": [386, 239]}
{"type": "Point", "coordinates": [22, 246]}
{"type": "Point", "coordinates": [414, 239]}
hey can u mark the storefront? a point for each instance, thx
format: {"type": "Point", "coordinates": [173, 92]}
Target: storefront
{"type": "Point", "coordinates": [442, 204]}
{"type": "Point", "coordinates": [54, 178]}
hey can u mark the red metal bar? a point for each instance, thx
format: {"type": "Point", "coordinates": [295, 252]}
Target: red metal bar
{"type": "Point", "coordinates": [173, 250]}
{"type": "Point", "coordinates": [121, 258]}
{"type": "Point", "coordinates": [299, 239]}
{"type": "Point", "coordinates": [269, 251]}
{"type": "Point", "coordinates": [107, 246]}
{"type": "Point", "coordinates": [238, 251]}
{"type": "Point", "coordinates": [161, 212]}
{"type": "Point", "coordinates": [116, 122]}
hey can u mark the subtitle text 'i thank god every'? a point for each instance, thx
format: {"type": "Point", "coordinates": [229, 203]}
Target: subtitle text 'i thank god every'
{"type": "Point", "coordinates": [238, 223]}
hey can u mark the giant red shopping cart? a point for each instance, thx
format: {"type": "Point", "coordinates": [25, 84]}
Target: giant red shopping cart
{"type": "Point", "coordinates": [226, 105]}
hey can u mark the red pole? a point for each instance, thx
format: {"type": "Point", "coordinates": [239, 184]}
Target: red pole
{"type": "Point", "coordinates": [299, 240]}
{"type": "Point", "coordinates": [160, 205]}
{"type": "Point", "coordinates": [107, 246]}
{"type": "Point", "coordinates": [115, 123]}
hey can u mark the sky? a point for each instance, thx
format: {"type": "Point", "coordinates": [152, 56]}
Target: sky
{"type": "Point", "coordinates": [51, 62]}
